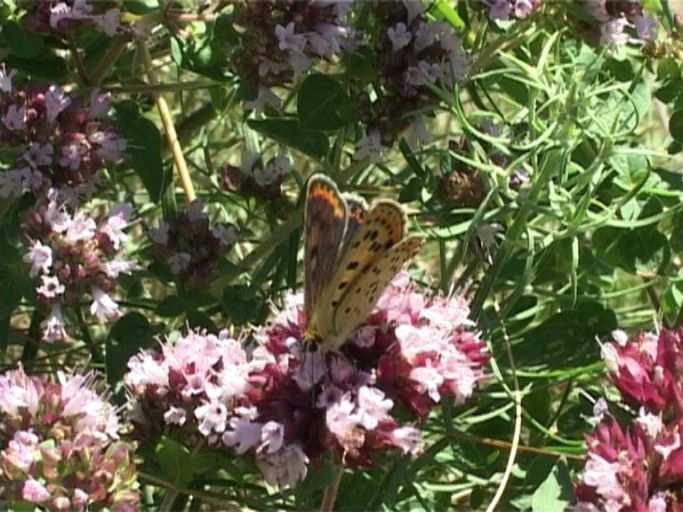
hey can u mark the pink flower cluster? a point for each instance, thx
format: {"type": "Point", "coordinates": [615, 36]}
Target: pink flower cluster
{"type": "Point", "coordinates": [282, 39]}
{"type": "Point", "coordinates": [618, 22]}
{"type": "Point", "coordinates": [56, 141]}
{"type": "Point", "coordinates": [411, 52]}
{"type": "Point", "coordinates": [65, 16]}
{"type": "Point", "coordinates": [60, 447]}
{"type": "Point", "coordinates": [288, 407]}
{"type": "Point", "coordinates": [190, 247]}
{"type": "Point", "coordinates": [639, 466]}
{"type": "Point", "coordinates": [74, 254]}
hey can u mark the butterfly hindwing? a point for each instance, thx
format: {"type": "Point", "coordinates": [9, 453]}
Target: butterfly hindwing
{"type": "Point", "coordinates": [362, 295]}
{"type": "Point", "coordinates": [324, 223]}
{"type": "Point", "coordinates": [383, 228]}
{"type": "Point", "coordinates": [357, 211]}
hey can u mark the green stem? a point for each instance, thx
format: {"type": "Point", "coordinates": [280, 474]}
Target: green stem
{"type": "Point", "coordinates": [108, 60]}
{"type": "Point", "coordinates": [515, 231]}
{"type": "Point", "coordinates": [87, 337]}
{"type": "Point", "coordinates": [331, 491]}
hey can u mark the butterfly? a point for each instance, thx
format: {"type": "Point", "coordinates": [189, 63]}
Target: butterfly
{"type": "Point", "coordinates": [351, 254]}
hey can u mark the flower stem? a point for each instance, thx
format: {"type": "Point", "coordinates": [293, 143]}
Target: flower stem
{"type": "Point", "coordinates": [517, 395]}
{"type": "Point", "coordinates": [679, 320]}
{"type": "Point", "coordinates": [169, 128]}
{"type": "Point", "coordinates": [78, 62]}
{"type": "Point", "coordinates": [87, 337]}
{"type": "Point", "coordinates": [331, 490]}
{"type": "Point", "coordinates": [108, 60]}
{"type": "Point", "coordinates": [162, 87]}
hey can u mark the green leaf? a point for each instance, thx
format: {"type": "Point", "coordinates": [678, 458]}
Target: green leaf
{"type": "Point", "coordinates": [144, 147]}
{"type": "Point", "coordinates": [668, 68]}
{"type": "Point", "coordinates": [644, 249]}
{"type": "Point", "coordinates": [322, 103]}
{"type": "Point", "coordinates": [176, 305]}
{"type": "Point", "coordinates": [10, 293]}
{"type": "Point", "coordinates": [4, 333]}
{"type": "Point", "coordinates": [175, 461]}
{"type": "Point", "coordinates": [141, 6]}
{"type": "Point", "coordinates": [14, 280]}
{"type": "Point", "coordinates": [359, 66]}
{"type": "Point", "coordinates": [45, 66]}
{"type": "Point", "coordinates": [668, 92]}
{"type": "Point", "coordinates": [290, 133]}
{"type": "Point", "coordinates": [672, 301]}
{"type": "Point", "coordinates": [580, 324]}
{"type": "Point", "coordinates": [241, 304]}
{"type": "Point", "coordinates": [128, 335]}
{"type": "Point", "coordinates": [444, 8]}
{"type": "Point", "coordinates": [556, 492]}
{"type": "Point", "coordinates": [676, 239]}
{"type": "Point", "coordinates": [676, 126]}
{"type": "Point", "coordinates": [20, 42]}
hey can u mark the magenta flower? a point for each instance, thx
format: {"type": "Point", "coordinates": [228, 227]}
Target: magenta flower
{"type": "Point", "coordinates": [640, 466]}
{"type": "Point", "coordinates": [287, 408]}
{"type": "Point", "coordinates": [56, 140]}
{"type": "Point", "coordinates": [61, 447]}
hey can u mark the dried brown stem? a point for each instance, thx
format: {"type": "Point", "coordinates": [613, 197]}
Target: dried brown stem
{"type": "Point", "coordinates": [169, 127]}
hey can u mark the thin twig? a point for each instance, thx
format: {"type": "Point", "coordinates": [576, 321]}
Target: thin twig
{"type": "Point", "coordinates": [506, 445]}
{"type": "Point", "coordinates": [518, 425]}
{"type": "Point", "coordinates": [679, 320]}
{"type": "Point", "coordinates": [162, 87]}
{"type": "Point", "coordinates": [117, 47]}
{"type": "Point", "coordinates": [331, 490]}
{"type": "Point", "coordinates": [221, 504]}
{"type": "Point", "coordinates": [80, 69]}
{"type": "Point", "coordinates": [190, 17]}
{"type": "Point", "coordinates": [87, 337]}
{"type": "Point", "coordinates": [169, 128]}
{"type": "Point", "coordinates": [654, 299]}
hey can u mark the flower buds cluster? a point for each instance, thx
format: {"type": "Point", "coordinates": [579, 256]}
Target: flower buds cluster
{"type": "Point", "coordinates": [56, 141]}
{"type": "Point", "coordinates": [190, 247]}
{"type": "Point", "coordinates": [616, 22]}
{"type": "Point", "coordinates": [65, 16]}
{"type": "Point", "coordinates": [75, 254]}
{"type": "Point", "coordinates": [288, 406]}
{"type": "Point", "coordinates": [411, 53]}
{"type": "Point", "coordinates": [281, 39]}
{"type": "Point", "coordinates": [60, 447]}
{"type": "Point", "coordinates": [639, 465]}
{"type": "Point", "coordinates": [253, 178]}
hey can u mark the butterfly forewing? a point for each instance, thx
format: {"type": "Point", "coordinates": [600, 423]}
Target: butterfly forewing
{"type": "Point", "coordinates": [383, 227]}
{"type": "Point", "coordinates": [324, 223]}
{"type": "Point", "coordinates": [362, 295]}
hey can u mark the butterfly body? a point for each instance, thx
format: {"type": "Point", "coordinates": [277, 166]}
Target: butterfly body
{"type": "Point", "coordinates": [351, 254]}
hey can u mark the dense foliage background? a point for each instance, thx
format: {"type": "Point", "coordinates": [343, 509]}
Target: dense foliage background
{"type": "Point", "coordinates": [154, 157]}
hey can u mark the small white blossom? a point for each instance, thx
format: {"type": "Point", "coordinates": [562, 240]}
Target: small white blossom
{"type": "Point", "coordinates": [370, 147]}
{"type": "Point", "coordinates": [103, 306]}
{"type": "Point", "coordinates": [40, 258]}
{"type": "Point", "coordinates": [400, 36]}
{"type": "Point", "coordinates": [51, 287]}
